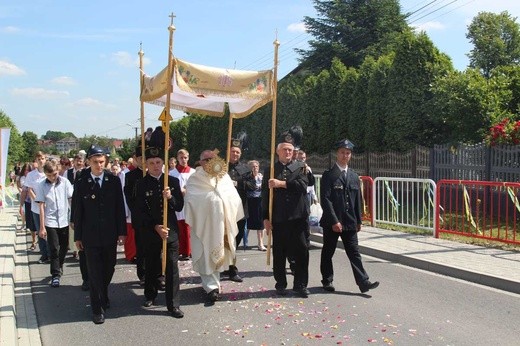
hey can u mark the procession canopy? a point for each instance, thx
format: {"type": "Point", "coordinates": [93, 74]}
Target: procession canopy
{"type": "Point", "coordinates": [206, 90]}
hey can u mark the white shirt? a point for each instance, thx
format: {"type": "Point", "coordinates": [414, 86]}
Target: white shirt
{"type": "Point", "coordinates": [100, 178]}
{"type": "Point", "coordinates": [31, 181]}
{"type": "Point", "coordinates": [183, 179]}
{"type": "Point", "coordinates": [56, 198]}
{"type": "Point", "coordinates": [342, 168]}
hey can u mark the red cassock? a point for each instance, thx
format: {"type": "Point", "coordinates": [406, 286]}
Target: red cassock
{"type": "Point", "coordinates": [184, 238]}
{"type": "Point", "coordinates": [130, 250]}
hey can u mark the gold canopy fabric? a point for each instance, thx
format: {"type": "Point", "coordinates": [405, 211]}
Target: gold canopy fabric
{"type": "Point", "coordinates": [205, 90]}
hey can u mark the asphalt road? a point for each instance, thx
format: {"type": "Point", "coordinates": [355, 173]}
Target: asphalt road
{"type": "Point", "coordinates": [410, 307]}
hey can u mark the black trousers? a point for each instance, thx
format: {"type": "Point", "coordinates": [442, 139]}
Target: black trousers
{"type": "Point", "coordinates": [241, 225]}
{"type": "Point", "coordinates": [291, 237]}
{"type": "Point", "coordinates": [140, 254]}
{"type": "Point", "coordinates": [57, 243]}
{"type": "Point", "coordinates": [350, 242]}
{"type": "Point", "coordinates": [101, 261]}
{"type": "Point", "coordinates": [153, 265]}
{"type": "Point", "coordinates": [83, 265]}
{"type": "Point", "coordinates": [241, 231]}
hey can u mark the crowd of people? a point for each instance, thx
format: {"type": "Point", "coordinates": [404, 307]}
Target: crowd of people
{"type": "Point", "coordinates": [91, 204]}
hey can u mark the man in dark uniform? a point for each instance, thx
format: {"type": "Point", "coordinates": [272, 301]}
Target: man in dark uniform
{"type": "Point", "coordinates": [150, 194]}
{"type": "Point", "coordinates": [131, 179]}
{"type": "Point", "coordinates": [238, 171]}
{"type": "Point", "coordinates": [99, 225]}
{"type": "Point", "coordinates": [73, 174]}
{"type": "Point", "coordinates": [341, 202]}
{"type": "Point", "coordinates": [289, 222]}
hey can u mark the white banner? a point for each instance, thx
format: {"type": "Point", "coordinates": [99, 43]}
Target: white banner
{"type": "Point", "coordinates": [5, 133]}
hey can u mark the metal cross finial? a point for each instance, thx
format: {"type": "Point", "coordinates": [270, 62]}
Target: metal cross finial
{"type": "Point", "coordinates": [172, 16]}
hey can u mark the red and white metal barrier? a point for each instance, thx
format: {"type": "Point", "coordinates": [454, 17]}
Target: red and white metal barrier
{"type": "Point", "coordinates": [479, 209]}
{"type": "Point", "coordinates": [367, 186]}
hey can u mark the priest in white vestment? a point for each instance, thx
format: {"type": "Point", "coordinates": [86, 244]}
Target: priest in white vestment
{"type": "Point", "coordinates": [212, 208]}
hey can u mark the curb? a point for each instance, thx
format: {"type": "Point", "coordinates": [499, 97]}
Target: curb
{"type": "Point", "coordinates": [8, 329]}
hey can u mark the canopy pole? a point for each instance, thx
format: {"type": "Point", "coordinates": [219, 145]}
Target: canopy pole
{"type": "Point", "coordinates": [141, 71]}
{"type": "Point", "coordinates": [230, 131]}
{"type": "Point", "coordinates": [166, 117]}
{"type": "Point", "coordinates": [276, 44]}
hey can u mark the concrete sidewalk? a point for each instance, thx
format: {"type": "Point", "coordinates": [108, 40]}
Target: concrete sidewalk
{"type": "Point", "coordinates": [18, 324]}
{"type": "Point", "coordinates": [492, 267]}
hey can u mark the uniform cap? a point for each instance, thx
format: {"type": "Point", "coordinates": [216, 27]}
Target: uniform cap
{"type": "Point", "coordinates": [94, 150]}
{"type": "Point", "coordinates": [344, 143]}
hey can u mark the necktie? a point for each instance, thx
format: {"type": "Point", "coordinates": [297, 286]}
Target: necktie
{"type": "Point", "coordinates": [96, 179]}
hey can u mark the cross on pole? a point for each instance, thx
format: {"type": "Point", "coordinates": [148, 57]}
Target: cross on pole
{"type": "Point", "coordinates": [171, 17]}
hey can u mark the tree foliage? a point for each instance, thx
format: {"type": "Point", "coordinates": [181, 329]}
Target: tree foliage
{"type": "Point", "coordinates": [16, 151]}
{"type": "Point", "coordinates": [30, 140]}
{"type": "Point", "coordinates": [57, 135]}
{"type": "Point", "coordinates": [496, 41]}
{"type": "Point", "coordinates": [415, 66]}
{"type": "Point", "coordinates": [351, 30]}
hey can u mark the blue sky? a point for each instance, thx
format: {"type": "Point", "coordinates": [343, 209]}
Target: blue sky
{"type": "Point", "coordinates": [73, 66]}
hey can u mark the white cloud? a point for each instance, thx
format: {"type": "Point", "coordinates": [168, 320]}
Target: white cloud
{"type": "Point", "coordinates": [64, 80]}
{"type": "Point", "coordinates": [91, 102]}
{"type": "Point", "coordinates": [429, 26]}
{"type": "Point", "coordinates": [8, 69]}
{"type": "Point", "coordinates": [88, 101]}
{"type": "Point", "coordinates": [39, 93]}
{"type": "Point", "coordinates": [125, 59]}
{"type": "Point", "coordinates": [9, 30]}
{"type": "Point", "coordinates": [297, 27]}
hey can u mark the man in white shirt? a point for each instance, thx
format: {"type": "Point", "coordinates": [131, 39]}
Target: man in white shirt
{"type": "Point", "coordinates": [54, 195]}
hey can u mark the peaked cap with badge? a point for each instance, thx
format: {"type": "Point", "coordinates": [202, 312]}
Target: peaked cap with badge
{"type": "Point", "coordinates": [95, 150]}
{"type": "Point", "coordinates": [344, 143]}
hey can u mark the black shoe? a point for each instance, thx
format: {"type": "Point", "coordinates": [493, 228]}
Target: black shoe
{"type": "Point", "coordinates": [43, 260]}
{"type": "Point", "coordinates": [98, 318]}
{"type": "Point", "coordinates": [177, 313]}
{"type": "Point", "coordinates": [281, 291]}
{"type": "Point", "coordinates": [148, 303]}
{"type": "Point", "coordinates": [213, 296]}
{"type": "Point", "coordinates": [85, 286]}
{"type": "Point", "coordinates": [328, 287]}
{"type": "Point", "coordinates": [225, 273]}
{"type": "Point", "coordinates": [161, 285]}
{"type": "Point", "coordinates": [302, 292]}
{"type": "Point", "coordinates": [368, 286]}
{"type": "Point", "coordinates": [236, 278]}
